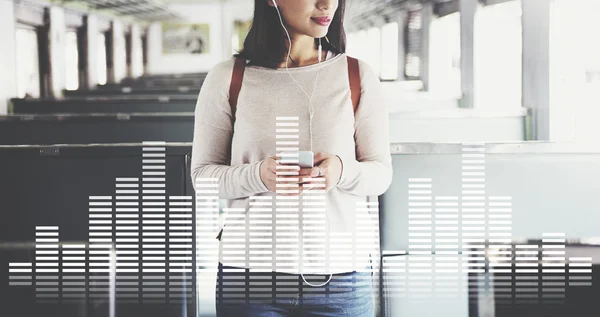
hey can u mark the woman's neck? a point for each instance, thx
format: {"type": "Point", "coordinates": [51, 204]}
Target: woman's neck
{"type": "Point", "coordinates": [303, 52]}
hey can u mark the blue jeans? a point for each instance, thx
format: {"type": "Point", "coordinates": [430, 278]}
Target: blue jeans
{"type": "Point", "coordinates": [273, 294]}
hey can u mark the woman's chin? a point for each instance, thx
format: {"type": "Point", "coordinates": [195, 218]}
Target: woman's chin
{"type": "Point", "coordinates": [318, 33]}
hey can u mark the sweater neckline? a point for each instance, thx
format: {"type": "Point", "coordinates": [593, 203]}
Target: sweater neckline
{"type": "Point", "coordinates": [301, 68]}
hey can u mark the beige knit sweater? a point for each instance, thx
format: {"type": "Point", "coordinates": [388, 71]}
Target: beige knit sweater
{"type": "Point", "coordinates": [265, 231]}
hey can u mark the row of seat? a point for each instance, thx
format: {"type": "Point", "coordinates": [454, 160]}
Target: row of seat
{"type": "Point", "coordinates": [105, 115]}
{"type": "Point", "coordinates": [60, 153]}
{"type": "Point", "coordinates": [97, 128]}
{"type": "Point", "coordinates": [53, 187]}
{"type": "Point", "coordinates": [111, 103]}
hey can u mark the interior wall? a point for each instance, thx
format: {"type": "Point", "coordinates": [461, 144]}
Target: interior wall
{"type": "Point", "coordinates": [219, 16]}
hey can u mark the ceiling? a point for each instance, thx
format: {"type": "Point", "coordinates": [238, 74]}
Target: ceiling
{"type": "Point", "coordinates": [148, 10]}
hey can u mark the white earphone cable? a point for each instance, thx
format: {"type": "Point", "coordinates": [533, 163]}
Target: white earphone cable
{"type": "Point", "coordinates": [311, 113]}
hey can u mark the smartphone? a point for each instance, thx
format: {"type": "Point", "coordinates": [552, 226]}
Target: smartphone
{"type": "Point", "coordinates": [305, 159]}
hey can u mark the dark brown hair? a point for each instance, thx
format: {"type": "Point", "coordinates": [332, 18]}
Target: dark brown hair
{"type": "Point", "coordinates": [265, 44]}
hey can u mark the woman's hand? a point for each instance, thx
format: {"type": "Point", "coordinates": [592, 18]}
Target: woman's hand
{"type": "Point", "coordinates": [267, 172]}
{"type": "Point", "coordinates": [278, 179]}
{"type": "Point", "coordinates": [325, 175]}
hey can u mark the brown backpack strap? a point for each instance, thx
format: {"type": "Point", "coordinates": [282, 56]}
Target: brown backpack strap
{"type": "Point", "coordinates": [237, 76]}
{"type": "Point", "coordinates": [236, 84]}
{"type": "Point", "coordinates": [354, 77]}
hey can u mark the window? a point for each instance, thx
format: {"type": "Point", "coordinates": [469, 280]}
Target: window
{"type": "Point", "coordinates": [351, 45]}
{"type": "Point", "coordinates": [138, 57]}
{"type": "Point", "coordinates": [361, 49]}
{"type": "Point", "coordinates": [498, 56]}
{"type": "Point", "coordinates": [575, 70]}
{"type": "Point", "coordinates": [444, 58]}
{"type": "Point", "coordinates": [373, 49]}
{"type": "Point", "coordinates": [389, 51]}
{"type": "Point", "coordinates": [240, 30]}
{"type": "Point", "coordinates": [28, 71]}
{"type": "Point", "coordinates": [101, 66]}
{"type": "Point", "coordinates": [71, 61]}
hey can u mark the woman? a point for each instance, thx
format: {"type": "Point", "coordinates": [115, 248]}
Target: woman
{"type": "Point", "coordinates": [287, 84]}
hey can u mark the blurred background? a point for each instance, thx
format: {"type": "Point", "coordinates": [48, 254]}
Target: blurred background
{"type": "Point", "coordinates": [83, 83]}
{"type": "Point", "coordinates": [453, 70]}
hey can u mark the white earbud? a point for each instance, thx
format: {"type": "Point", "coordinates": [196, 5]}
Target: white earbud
{"type": "Point", "coordinates": [274, 3]}
{"type": "Point", "coordinates": [320, 50]}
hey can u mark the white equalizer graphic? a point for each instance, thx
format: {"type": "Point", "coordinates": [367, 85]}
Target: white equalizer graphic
{"type": "Point", "coordinates": [46, 262]}
{"type": "Point", "coordinates": [288, 232]}
{"type": "Point", "coordinates": [140, 245]}
{"type": "Point", "coordinates": [463, 246]}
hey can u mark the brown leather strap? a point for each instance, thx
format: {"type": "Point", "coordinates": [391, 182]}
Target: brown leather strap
{"type": "Point", "coordinates": [354, 77]}
{"type": "Point", "coordinates": [236, 85]}
{"type": "Point", "coordinates": [237, 76]}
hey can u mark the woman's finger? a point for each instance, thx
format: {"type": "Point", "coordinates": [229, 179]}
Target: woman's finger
{"type": "Point", "coordinates": [297, 179]}
{"type": "Point", "coordinates": [315, 183]}
{"type": "Point", "coordinates": [293, 191]}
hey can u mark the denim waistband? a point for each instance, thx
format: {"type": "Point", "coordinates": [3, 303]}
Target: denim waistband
{"type": "Point", "coordinates": [368, 271]}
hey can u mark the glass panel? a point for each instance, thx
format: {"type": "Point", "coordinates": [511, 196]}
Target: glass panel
{"type": "Point", "coordinates": [28, 72]}
{"type": "Point", "coordinates": [389, 51]}
{"type": "Point", "coordinates": [373, 51]}
{"type": "Point", "coordinates": [101, 66]}
{"type": "Point", "coordinates": [498, 56]}
{"type": "Point", "coordinates": [575, 72]}
{"type": "Point", "coordinates": [444, 60]}
{"type": "Point", "coordinates": [138, 58]}
{"type": "Point", "coordinates": [71, 61]}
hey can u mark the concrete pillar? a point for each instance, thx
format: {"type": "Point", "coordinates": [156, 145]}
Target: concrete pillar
{"type": "Point", "coordinates": [145, 53]}
{"type": "Point", "coordinates": [468, 8]}
{"type": "Point", "coordinates": [401, 20]}
{"type": "Point", "coordinates": [426, 18]}
{"type": "Point", "coordinates": [536, 65]}
{"type": "Point", "coordinates": [92, 51]}
{"type": "Point", "coordinates": [8, 70]}
{"type": "Point", "coordinates": [128, 53]}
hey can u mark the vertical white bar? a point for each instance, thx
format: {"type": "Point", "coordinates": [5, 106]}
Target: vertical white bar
{"type": "Point", "coordinates": [127, 238]}
{"type": "Point", "coordinates": [101, 218]}
{"type": "Point", "coordinates": [473, 211]}
{"type": "Point", "coordinates": [527, 260]}
{"type": "Point", "coordinates": [446, 238]}
{"type": "Point", "coordinates": [47, 259]}
{"type": "Point", "coordinates": [580, 271]}
{"type": "Point", "coordinates": [154, 209]}
{"type": "Point", "coordinates": [420, 224]}
{"type": "Point", "coordinates": [553, 267]}
{"type": "Point", "coordinates": [500, 249]}
{"type": "Point", "coordinates": [180, 246]}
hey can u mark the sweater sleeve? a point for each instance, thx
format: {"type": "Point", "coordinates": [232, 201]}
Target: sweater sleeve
{"type": "Point", "coordinates": [213, 133]}
{"type": "Point", "coordinates": [369, 173]}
